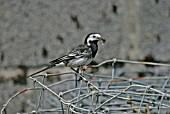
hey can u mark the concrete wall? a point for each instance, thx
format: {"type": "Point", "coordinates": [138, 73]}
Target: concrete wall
{"type": "Point", "coordinates": [33, 32]}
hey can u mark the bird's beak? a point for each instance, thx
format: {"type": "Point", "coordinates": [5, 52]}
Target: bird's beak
{"type": "Point", "coordinates": [103, 40]}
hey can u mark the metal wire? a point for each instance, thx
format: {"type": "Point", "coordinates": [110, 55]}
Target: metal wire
{"type": "Point", "coordinates": [100, 93]}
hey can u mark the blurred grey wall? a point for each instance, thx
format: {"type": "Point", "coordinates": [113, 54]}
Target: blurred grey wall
{"type": "Point", "coordinates": [33, 32]}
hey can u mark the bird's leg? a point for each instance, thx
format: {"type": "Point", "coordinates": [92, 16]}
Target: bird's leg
{"type": "Point", "coordinates": [77, 71]}
{"type": "Point", "coordinates": [80, 72]}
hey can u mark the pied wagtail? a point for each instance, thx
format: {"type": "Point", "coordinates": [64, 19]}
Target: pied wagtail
{"type": "Point", "coordinates": [80, 56]}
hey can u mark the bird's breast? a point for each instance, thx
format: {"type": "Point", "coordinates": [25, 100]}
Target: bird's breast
{"type": "Point", "coordinates": [94, 48]}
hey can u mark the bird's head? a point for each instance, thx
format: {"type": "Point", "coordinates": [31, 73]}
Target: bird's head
{"type": "Point", "coordinates": [93, 38]}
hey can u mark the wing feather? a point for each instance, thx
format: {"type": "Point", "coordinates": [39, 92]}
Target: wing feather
{"type": "Point", "coordinates": [78, 52]}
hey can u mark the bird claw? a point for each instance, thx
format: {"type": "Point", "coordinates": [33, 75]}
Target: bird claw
{"type": "Point", "coordinates": [85, 68]}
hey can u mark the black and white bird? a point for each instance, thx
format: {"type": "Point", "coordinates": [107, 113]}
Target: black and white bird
{"type": "Point", "coordinates": [80, 56]}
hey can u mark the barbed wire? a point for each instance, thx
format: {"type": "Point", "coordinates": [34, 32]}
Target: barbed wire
{"type": "Point", "coordinates": [97, 93]}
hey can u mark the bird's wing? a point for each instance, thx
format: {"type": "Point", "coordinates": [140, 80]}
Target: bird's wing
{"type": "Point", "coordinates": [78, 52]}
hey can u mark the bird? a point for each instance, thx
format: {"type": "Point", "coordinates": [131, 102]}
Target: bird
{"type": "Point", "coordinates": [79, 56]}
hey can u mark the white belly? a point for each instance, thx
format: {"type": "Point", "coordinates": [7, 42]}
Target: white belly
{"type": "Point", "coordinates": [79, 62]}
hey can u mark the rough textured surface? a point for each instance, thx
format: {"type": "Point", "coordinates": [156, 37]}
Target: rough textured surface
{"type": "Point", "coordinates": [33, 32]}
{"type": "Point", "coordinates": [154, 17]}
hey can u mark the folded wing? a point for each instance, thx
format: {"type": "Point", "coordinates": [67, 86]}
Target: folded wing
{"type": "Point", "coordinates": [78, 52]}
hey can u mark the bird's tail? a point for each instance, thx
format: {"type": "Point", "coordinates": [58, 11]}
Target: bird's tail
{"type": "Point", "coordinates": [48, 67]}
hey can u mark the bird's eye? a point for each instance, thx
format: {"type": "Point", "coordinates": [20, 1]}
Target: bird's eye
{"type": "Point", "coordinates": [94, 36]}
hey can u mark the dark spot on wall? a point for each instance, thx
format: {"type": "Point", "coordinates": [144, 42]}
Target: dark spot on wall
{"type": "Point", "coordinates": [156, 1]}
{"type": "Point", "coordinates": [44, 52]}
{"type": "Point", "coordinates": [12, 38]}
{"type": "Point", "coordinates": [26, 14]}
{"type": "Point", "coordinates": [1, 2]}
{"type": "Point", "coordinates": [114, 9]}
{"type": "Point", "coordinates": [107, 65]}
{"type": "Point", "coordinates": [141, 74]}
{"type": "Point", "coordinates": [21, 79]}
{"type": "Point", "coordinates": [158, 38]}
{"type": "Point", "coordinates": [75, 19]}
{"type": "Point", "coordinates": [60, 38]}
{"type": "Point", "coordinates": [2, 56]}
{"type": "Point", "coordinates": [131, 46]}
{"type": "Point", "coordinates": [53, 78]}
{"type": "Point", "coordinates": [2, 80]}
{"type": "Point", "coordinates": [149, 58]}
{"type": "Point", "coordinates": [119, 65]}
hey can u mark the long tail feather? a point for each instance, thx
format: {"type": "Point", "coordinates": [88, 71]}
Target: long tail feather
{"type": "Point", "coordinates": [48, 67]}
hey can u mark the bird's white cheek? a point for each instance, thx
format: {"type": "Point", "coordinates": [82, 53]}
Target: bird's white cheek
{"type": "Point", "coordinates": [88, 42]}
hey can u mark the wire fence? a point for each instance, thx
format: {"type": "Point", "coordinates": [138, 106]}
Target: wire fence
{"type": "Point", "coordinates": [102, 93]}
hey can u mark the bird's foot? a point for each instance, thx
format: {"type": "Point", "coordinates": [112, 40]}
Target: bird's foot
{"type": "Point", "coordinates": [85, 68]}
